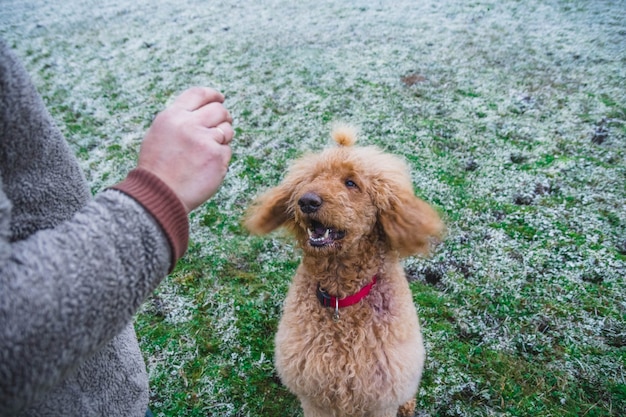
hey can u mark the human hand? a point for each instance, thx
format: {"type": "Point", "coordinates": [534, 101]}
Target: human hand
{"type": "Point", "coordinates": [187, 145]}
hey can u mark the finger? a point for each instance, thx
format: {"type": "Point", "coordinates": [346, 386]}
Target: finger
{"type": "Point", "coordinates": [197, 97]}
{"type": "Point", "coordinates": [223, 133]}
{"type": "Point", "coordinates": [212, 114]}
{"type": "Point", "coordinates": [221, 137]}
{"type": "Point", "coordinates": [228, 131]}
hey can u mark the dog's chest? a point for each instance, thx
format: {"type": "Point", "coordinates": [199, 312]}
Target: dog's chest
{"type": "Point", "coordinates": [332, 354]}
{"type": "Point", "coordinates": [321, 351]}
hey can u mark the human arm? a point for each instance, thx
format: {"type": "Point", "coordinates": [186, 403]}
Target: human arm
{"type": "Point", "coordinates": [65, 292]}
{"type": "Point", "coordinates": [71, 282]}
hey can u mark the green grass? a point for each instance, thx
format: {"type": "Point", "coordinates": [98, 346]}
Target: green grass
{"type": "Point", "coordinates": [511, 115]}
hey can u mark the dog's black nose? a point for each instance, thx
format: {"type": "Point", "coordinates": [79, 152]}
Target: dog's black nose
{"type": "Point", "coordinates": [310, 202]}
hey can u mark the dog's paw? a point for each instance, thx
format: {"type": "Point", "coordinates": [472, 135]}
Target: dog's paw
{"type": "Point", "coordinates": [407, 409]}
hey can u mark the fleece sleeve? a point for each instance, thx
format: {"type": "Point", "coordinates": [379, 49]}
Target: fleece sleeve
{"type": "Point", "coordinates": [66, 291]}
{"type": "Point", "coordinates": [160, 201]}
{"type": "Point", "coordinates": [73, 269]}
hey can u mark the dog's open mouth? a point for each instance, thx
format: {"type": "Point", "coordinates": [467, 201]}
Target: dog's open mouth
{"type": "Point", "coordinates": [321, 236]}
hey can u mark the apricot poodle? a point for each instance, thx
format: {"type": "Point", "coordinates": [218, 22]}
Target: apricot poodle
{"type": "Point", "coordinates": [349, 340]}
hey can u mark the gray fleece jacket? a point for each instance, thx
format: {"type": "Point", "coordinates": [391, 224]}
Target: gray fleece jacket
{"type": "Point", "coordinates": [73, 269]}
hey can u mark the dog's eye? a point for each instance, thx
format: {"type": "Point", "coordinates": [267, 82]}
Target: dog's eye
{"type": "Point", "coordinates": [351, 184]}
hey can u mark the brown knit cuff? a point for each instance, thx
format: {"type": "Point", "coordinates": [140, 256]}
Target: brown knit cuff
{"type": "Point", "coordinates": [164, 205]}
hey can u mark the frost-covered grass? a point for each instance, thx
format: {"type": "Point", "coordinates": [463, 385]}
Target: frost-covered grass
{"type": "Point", "coordinates": [512, 115]}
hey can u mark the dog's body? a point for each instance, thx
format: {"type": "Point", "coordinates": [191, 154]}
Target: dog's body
{"type": "Point", "coordinates": [353, 212]}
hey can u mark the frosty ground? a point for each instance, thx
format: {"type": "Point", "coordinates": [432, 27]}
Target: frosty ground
{"type": "Point", "coordinates": [511, 114]}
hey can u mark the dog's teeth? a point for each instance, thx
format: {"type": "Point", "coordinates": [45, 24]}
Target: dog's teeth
{"type": "Point", "coordinates": [310, 233]}
{"type": "Point", "coordinates": [326, 234]}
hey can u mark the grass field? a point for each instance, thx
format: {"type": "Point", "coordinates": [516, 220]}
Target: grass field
{"type": "Point", "coordinates": [511, 114]}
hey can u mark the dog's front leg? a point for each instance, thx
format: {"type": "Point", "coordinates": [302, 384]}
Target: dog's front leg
{"type": "Point", "coordinates": [310, 410]}
{"type": "Point", "coordinates": [388, 412]}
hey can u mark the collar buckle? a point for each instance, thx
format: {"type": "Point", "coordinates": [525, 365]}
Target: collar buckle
{"type": "Point", "coordinates": [324, 297]}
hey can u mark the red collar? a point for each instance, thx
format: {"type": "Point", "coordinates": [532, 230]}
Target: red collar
{"type": "Point", "coordinates": [330, 301]}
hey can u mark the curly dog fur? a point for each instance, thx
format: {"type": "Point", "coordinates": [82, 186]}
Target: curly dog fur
{"type": "Point", "coordinates": [353, 212]}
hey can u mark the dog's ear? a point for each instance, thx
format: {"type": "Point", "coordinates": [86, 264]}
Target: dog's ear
{"type": "Point", "coordinates": [269, 211]}
{"type": "Point", "coordinates": [409, 223]}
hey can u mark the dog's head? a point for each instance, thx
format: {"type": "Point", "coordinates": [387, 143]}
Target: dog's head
{"type": "Point", "coordinates": [345, 194]}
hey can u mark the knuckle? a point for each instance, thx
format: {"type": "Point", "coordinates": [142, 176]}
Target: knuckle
{"type": "Point", "coordinates": [197, 91]}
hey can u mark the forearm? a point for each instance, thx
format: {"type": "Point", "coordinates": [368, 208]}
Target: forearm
{"type": "Point", "coordinates": [64, 292]}
{"type": "Point", "coordinates": [163, 204]}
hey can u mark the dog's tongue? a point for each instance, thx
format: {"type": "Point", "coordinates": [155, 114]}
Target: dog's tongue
{"type": "Point", "coordinates": [320, 235]}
